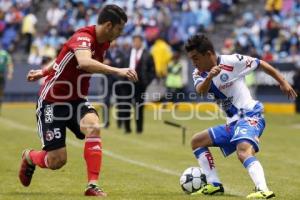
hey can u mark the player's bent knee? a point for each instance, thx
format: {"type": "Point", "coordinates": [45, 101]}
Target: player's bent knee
{"type": "Point", "coordinates": [89, 125]}
{"type": "Point", "coordinates": [242, 155]}
{"type": "Point", "coordinates": [244, 150]}
{"type": "Point", "coordinates": [56, 163]}
{"type": "Point", "coordinates": [91, 130]}
{"type": "Point", "coordinates": [201, 139]}
{"type": "Point", "coordinates": [56, 159]}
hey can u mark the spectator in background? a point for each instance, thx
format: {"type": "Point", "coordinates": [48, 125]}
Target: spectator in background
{"type": "Point", "coordinates": [142, 62]}
{"type": "Point", "coordinates": [281, 31]}
{"type": "Point", "coordinates": [273, 6]}
{"type": "Point", "coordinates": [294, 55]}
{"type": "Point", "coordinates": [114, 57]}
{"type": "Point", "coordinates": [228, 46]}
{"type": "Point", "coordinates": [28, 29]}
{"type": "Point", "coordinates": [273, 28]}
{"type": "Point", "coordinates": [54, 15]}
{"type": "Point", "coordinates": [175, 33]}
{"type": "Point", "coordinates": [80, 12]}
{"type": "Point", "coordinates": [267, 54]}
{"type": "Point", "coordinates": [9, 38]}
{"type": "Point", "coordinates": [287, 6]}
{"type": "Point", "coordinates": [6, 68]}
{"type": "Point", "coordinates": [174, 21]}
{"type": "Point", "coordinates": [253, 53]}
{"type": "Point", "coordinates": [65, 28]}
{"type": "Point", "coordinates": [6, 5]}
{"type": "Point", "coordinates": [162, 55]}
{"type": "Point", "coordinates": [14, 17]}
{"type": "Point", "coordinates": [11, 17]}
{"type": "Point", "coordinates": [177, 77]}
{"type": "Point", "coordinates": [49, 51]}
{"type": "Point", "coordinates": [215, 8]}
{"type": "Point", "coordinates": [36, 50]}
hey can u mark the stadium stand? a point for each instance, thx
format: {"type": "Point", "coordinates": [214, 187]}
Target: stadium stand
{"type": "Point", "coordinates": [274, 35]}
{"type": "Point", "coordinates": [269, 34]}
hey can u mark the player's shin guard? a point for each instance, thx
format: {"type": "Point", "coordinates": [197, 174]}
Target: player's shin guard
{"type": "Point", "coordinates": [256, 173]}
{"type": "Point", "coordinates": [206, 162]}
{"type": "Point", "coordinates": [93, 157]}
{"type": "Point", "coordinates": [39, 158]}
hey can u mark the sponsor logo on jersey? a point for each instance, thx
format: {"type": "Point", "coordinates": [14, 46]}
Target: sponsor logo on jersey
{"type": "Point", "coordinates": [48, 112]}
{"type": "Point", "coordinates": [49, 135]}
{"type": "Point", "coordinates": [226, 67]}
{"type": "Point", "coordinates": [83, 39]}
{"type": "Point", "coordinates": [224, 77]}
{"type": "Point", "coordinates": [225, 86]}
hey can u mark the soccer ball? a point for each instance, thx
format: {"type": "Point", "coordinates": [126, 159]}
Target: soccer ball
{"type": "Point", "coordinates": [192, 180]}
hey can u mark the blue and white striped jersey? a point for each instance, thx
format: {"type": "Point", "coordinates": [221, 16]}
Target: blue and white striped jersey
{"type": "Point", "coordinates": [228, 88]}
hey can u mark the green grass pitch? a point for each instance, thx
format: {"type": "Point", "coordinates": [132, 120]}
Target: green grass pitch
{"type": "Point", "coordinates": [146, 166]}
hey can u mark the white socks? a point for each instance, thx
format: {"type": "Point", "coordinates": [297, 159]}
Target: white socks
{"type": "Point", "coordinates": [207, 164]}
{"type": "Point", "coordinates": [253, 166]}
{"type": "Point", "coordinates": [256, 173]}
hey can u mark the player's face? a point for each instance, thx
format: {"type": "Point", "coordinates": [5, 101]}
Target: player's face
{"type": "Point", "coordinates": [115, 31]}
{"type": "Point", "coordinates": [203, 62]}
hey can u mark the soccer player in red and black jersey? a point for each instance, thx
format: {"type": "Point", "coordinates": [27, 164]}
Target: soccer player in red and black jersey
{"type": "Point", "coordinates": [62, 99]}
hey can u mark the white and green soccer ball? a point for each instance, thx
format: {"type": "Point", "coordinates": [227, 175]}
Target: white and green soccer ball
{"type": "Point", "coordinates": [192, 180]}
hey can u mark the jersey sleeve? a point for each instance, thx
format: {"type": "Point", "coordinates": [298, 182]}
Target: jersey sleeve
{"type": "Point", "coordinates": [244, 65]}
{"type": "Point", "coordinates": [81, 41]}
{"type": "Point", "coordinates": [197, 78]}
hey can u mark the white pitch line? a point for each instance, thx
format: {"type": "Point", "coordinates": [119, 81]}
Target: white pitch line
{"type": "Point", "coordinates": [111, 154]}
{"type": "Point", "coordinates": [128, 160]}
{"type": "Point", "coordinates": [77, 144]}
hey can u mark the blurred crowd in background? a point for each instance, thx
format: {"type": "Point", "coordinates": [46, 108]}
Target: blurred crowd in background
{"type": "Point", "coordinates": [271, 36]}
{"type": "Point", "coordinates": [162, 23]}
{"type": "Point", "coordinates": [14, 16]}
{"type": "Point", "coordinates": [38, 30]}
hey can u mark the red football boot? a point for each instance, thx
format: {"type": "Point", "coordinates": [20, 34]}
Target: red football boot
{"type": "Point", "coordinates": [27, 169]}
{"type": "Point", "coordinates": [94, 190]}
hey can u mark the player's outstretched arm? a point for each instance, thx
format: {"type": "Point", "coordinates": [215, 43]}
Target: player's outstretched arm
{"type": "Point", "coordinates": [34, 75]}
{"type": "Point", "coordinates": [203, 87]}
{"type": "Point", "coordinates": [87, 63]}
{"type": "Point", "coordinates": [284, 85]}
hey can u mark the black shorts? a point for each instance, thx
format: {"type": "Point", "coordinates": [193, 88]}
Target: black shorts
{"type": "Point", "coordinates": [54, 118]}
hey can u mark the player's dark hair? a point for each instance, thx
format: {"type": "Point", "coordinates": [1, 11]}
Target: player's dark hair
{"type": "Point", "coordinates": [199, 42]}
{"type": "Point", "coordinates": [113, 14]}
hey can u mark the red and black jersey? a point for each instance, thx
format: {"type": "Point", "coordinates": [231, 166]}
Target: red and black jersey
{"type": "Point", "coordinates": [66, 82]}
